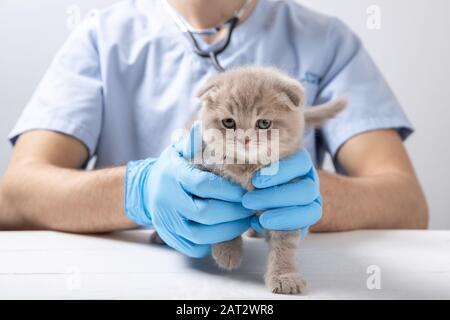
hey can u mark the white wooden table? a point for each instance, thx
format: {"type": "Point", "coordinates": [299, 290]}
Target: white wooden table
{"type": "Point", "coordinates": [44, 265]}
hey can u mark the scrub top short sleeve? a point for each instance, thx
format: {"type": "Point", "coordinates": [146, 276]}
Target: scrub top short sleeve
{"type": "Point", "coordinates": [69, 97]}
{"type": "Point", "coordinates": [351, 73]}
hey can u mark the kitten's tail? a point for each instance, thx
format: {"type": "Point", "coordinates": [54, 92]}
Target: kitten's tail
{"type": "Point", "coordinates": [317, 115]}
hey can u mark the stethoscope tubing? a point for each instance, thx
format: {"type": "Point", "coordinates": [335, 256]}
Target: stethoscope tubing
{"type": "Point", "coordinates": [213, 55]}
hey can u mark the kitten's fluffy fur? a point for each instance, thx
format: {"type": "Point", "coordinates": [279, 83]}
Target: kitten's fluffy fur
{"type": "Point", "coordinates": [248, 94]}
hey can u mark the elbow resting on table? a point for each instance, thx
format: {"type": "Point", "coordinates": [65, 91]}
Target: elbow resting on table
{"type": "Point", "coordinates": [10, 215]}
{"type": "Point", "coordinates": [6, 211]}
{"type": "Point", "coordinates": [422, 214]}
{"type": "Point", "coordinates": [416, 213]}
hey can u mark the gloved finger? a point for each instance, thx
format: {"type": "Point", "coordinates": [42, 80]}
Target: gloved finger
{"type": "Point", "coordinates": [203, 234]}
{"type": "Point", "coordinates": [258, 228]}
{"type": "Point", "coordinates": [319, 200]}
{"type": "Point", "coordinates": [254, 223]}
{"type": "Point", "coordinates": [211, 211]}
{"type": "Point", "coordinates": [291, 218]}
{"type": "Point", "coordinates": [290, 168]}
{"type": "Point", "coordinates": [304, 232]}
{"type": "Point", "coordinates": [191, 145]}
{"type": "Point", "coordinates": [185, 246]}
{"type": "Point", "coordinates": [205, 184]}
{"type": "Point", "coordinates": [298, 193]}
{"type": "Point", "coordinates": [313, 175]}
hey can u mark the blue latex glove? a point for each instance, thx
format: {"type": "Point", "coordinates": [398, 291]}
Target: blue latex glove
{"type": "Point", "coordinates": [191, 209]}
{"type": "Point", "coordinates": [287, 205]}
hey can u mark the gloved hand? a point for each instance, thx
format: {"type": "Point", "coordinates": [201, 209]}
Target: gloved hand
{"type": "Point", "coordinates": [189, 208]}
{"type": "Point", "coordinates": [288, 205]}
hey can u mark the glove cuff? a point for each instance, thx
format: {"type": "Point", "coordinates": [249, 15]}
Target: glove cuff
{"type": "Point", "coordinates": [135, 191]}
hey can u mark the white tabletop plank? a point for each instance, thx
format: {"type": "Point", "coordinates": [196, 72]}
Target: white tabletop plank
{"type": "Point", "coordinates": [47, 265]}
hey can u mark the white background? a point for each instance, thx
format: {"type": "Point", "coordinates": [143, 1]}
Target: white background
{"type": "Point", "coordinates": [412, 49]}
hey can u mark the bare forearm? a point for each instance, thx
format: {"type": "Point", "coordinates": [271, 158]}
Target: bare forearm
{"type": "Point", "coordinates": [40, 196]}
{"type": "Point", "coordinates": [389, 201]}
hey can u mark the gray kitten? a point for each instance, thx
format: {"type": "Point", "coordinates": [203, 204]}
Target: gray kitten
{"type": "Point", "coordinates": [243, 108]}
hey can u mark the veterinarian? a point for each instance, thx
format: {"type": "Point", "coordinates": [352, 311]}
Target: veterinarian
{"type": "Point", "coordinates": [126, 79]}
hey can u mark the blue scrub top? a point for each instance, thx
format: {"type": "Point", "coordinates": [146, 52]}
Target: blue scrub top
{"type": "Point", "coordinates": [126, 78]}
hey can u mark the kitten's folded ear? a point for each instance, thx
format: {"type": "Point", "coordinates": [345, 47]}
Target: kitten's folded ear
{"type": "Point", "coordinates": [206, 91]}
{"type": "Point", "coordinates": [294, 92]}
{"type": "Point", "coordinates": [317, 115]}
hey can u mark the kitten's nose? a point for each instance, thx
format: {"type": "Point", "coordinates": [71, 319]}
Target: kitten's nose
{"type": "Point", "coordinates": [245, 141]}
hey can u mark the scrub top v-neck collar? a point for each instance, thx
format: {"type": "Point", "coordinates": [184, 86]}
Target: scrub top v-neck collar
{"type": "Point", "coordinates": [244, 31]}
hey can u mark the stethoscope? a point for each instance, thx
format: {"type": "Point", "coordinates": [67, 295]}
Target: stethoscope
{"type": "Point", "coordinates": [189, 32]}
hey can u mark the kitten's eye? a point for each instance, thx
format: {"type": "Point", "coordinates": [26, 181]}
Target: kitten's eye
{"type": "Point", "coordinates": [263, 124]}
{"type": "Point", "coordinates": [229, 123]}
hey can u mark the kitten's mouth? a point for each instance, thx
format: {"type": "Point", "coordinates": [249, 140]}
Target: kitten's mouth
{"type": "Point", "coordinates": [252, 152]}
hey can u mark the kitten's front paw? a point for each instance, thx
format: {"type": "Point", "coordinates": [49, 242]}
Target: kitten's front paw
{"type": "Point", "coordinates": [228, 255]}
{"type": "Point", "coordinates": [289, 283]}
